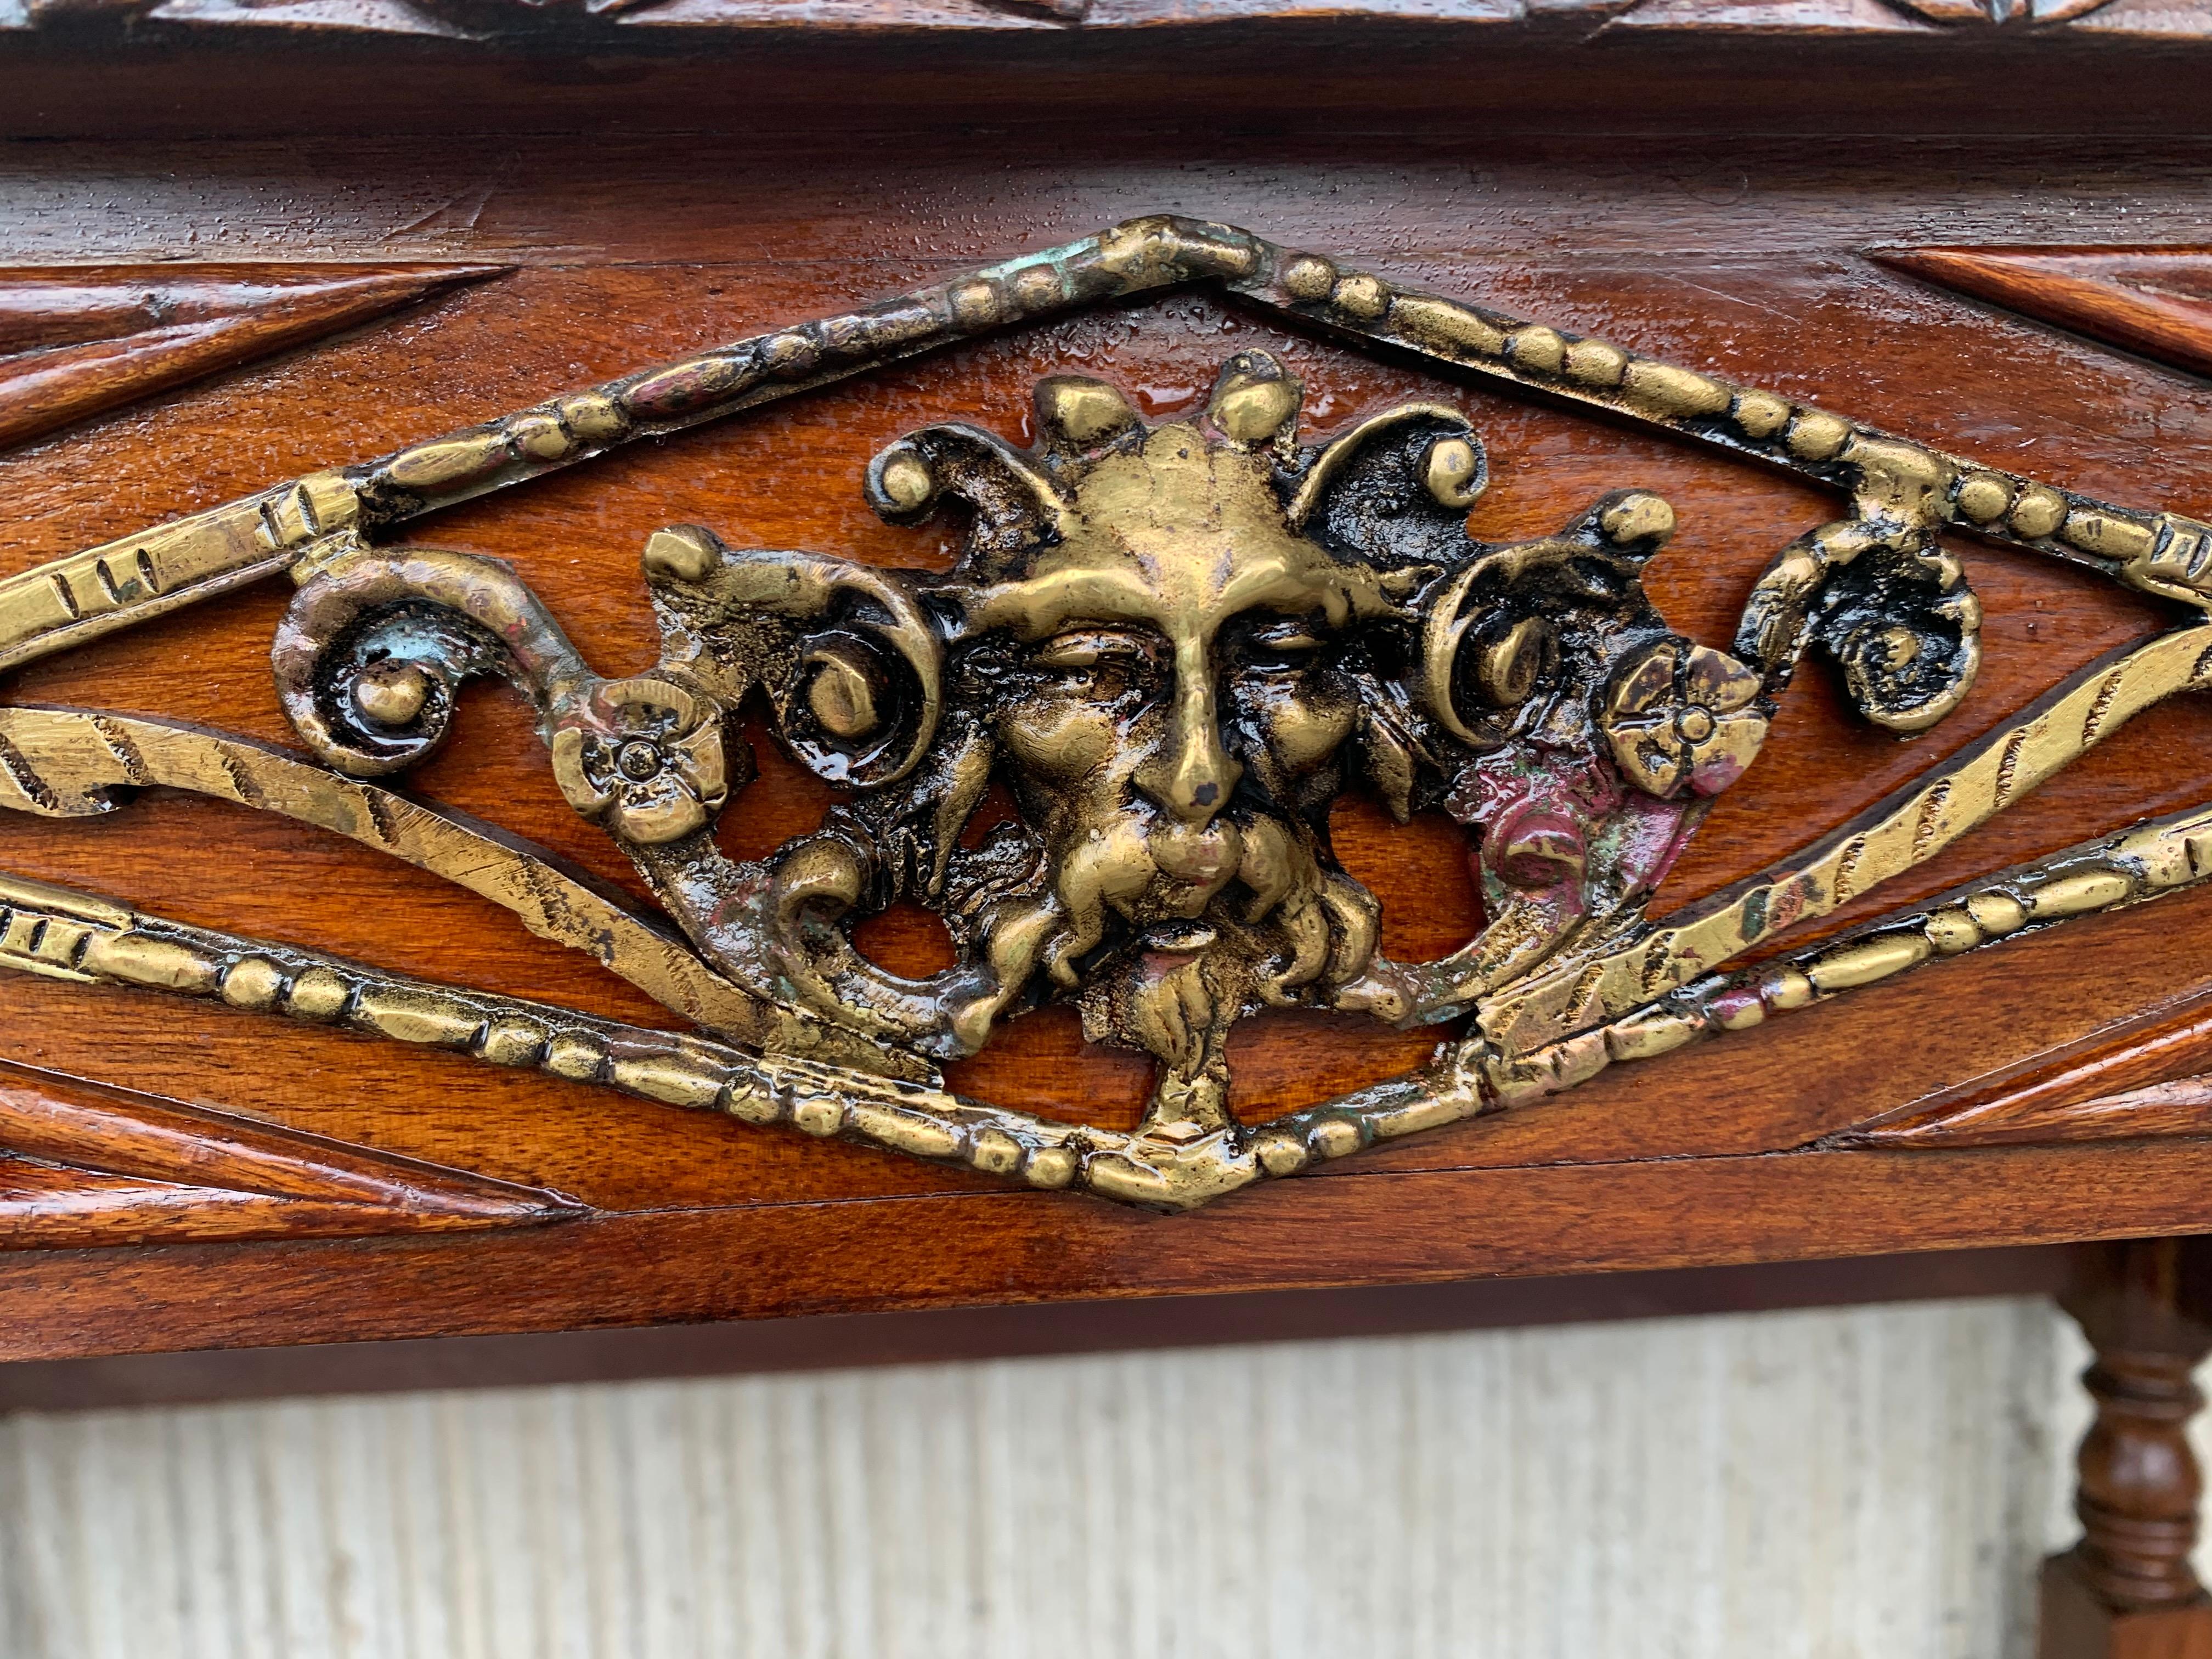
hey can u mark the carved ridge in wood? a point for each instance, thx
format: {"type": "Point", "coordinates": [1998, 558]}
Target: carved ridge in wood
{"type": "Point", "coordinates": [87, 1166]}
{"type": "Point", "coordinates": [1174, 645]}
{"type": "Point", "coordinates": [2154, 300]}
{"type": "Point", "coordinates": [80, 341]}
{"type": "Point", "coordinates": [2141, 1077]}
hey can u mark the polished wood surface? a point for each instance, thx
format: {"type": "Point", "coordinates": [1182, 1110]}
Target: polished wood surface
{"type": "Point", "coordinates": [1721, 231]}
{"type": "Point", "coordinates": [88, 1166]}
{"type": "Point", "coordinates": [827, 1341]}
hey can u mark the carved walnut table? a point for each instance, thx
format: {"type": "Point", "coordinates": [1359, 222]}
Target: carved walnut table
{"type": "Point", "coordinates": [668, 662]}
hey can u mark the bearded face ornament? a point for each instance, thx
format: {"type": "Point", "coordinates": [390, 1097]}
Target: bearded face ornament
{"type": "Point", "coordinates": [1175, 647]}
{"type": "Point", "coordinates": [1169, 676]}
{"type": "Point", "coordinates": [1182, 643]}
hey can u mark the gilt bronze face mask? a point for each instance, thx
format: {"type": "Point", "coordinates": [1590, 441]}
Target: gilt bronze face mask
{"type": "Point", "coordinates": [1173, 646]}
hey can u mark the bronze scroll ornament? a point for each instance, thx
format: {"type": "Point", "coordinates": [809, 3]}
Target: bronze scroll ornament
{"type": "Point", "coordinates": [1175, 647]}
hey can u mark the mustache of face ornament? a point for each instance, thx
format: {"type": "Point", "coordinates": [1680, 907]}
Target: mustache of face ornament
{"type": "Point", "coordinates": [1161, 875]}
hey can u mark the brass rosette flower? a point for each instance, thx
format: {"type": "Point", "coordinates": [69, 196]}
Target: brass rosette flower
{"type": "Point", "coordinates": [1679, 714]}
{"type": "Point", "coordinates": [645, 759]}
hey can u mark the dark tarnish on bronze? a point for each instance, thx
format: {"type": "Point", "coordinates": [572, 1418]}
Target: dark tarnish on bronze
{"type": "Point", "coordinates": [1174, 648]}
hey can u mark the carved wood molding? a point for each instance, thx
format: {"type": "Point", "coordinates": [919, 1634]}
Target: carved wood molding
{"type": "Point", "coordinates": [2142, 1078]}
{"type": "Point", "coordinates": [76, 341]}
{"type": "Point", "coordinates": [83, 1164]}
{"type": "Point", "coordinates": [2154, 300]}
{"type": "Point", "coordinates": [1538, 19]}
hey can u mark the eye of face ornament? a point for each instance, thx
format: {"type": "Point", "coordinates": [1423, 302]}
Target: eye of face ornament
{"type": "Point", "coordinates": [1291, 644]}
{"type": "Point", "coordinates": [1105, 664]}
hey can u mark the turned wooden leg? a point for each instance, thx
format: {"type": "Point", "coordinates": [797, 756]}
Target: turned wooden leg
{"type": "Point", "coordinates": [2126, 1591]}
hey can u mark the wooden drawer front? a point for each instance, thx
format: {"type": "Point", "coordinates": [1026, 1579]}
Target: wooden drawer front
{"type": "Point", "coordinates": [1615, 704]}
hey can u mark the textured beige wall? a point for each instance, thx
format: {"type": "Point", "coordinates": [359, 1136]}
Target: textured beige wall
{"type": "Point", "coordinates": [1873, 1484]}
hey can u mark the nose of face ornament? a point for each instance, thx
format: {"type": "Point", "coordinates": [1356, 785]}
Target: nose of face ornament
{"type": "Point", "coordinates": [1196, 785]}
{"type": "Point", "coordinates": [1192, 774]}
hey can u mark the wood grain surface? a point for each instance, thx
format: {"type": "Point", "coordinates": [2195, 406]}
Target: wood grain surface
{"type": "Point", "coordinates": [1742, 253]}
{"type": "Point", "coordinates": [833, 1342]}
